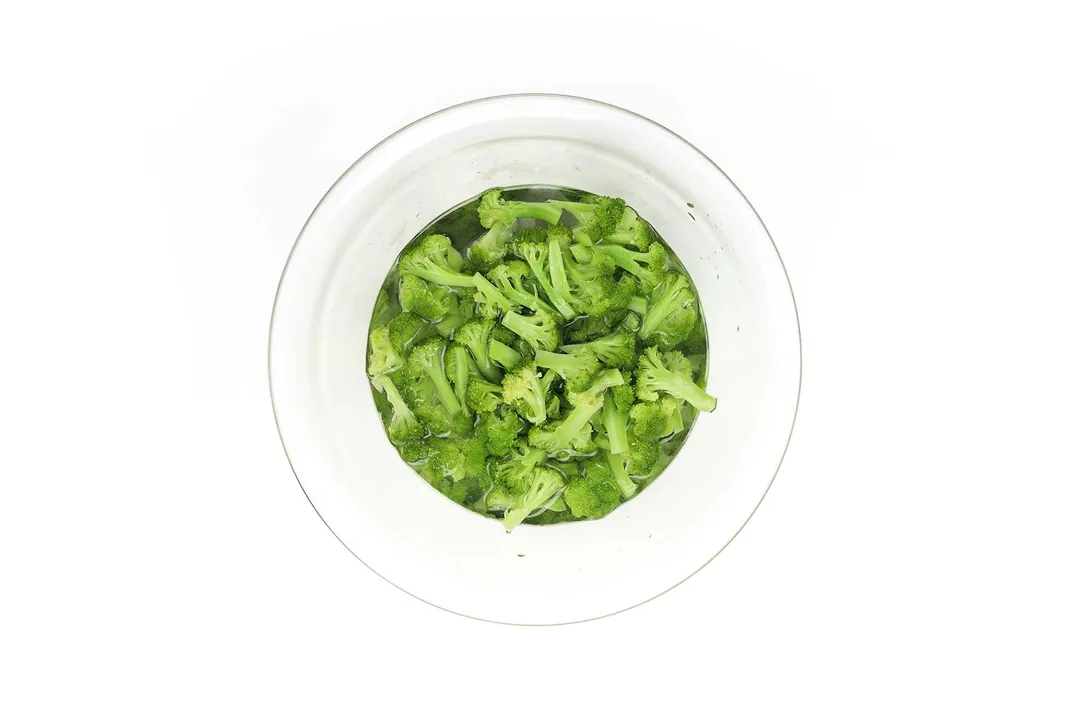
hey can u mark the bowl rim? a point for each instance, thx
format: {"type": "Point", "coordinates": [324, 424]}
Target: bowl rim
{"type": "Point", "coordinates": [557, 97]}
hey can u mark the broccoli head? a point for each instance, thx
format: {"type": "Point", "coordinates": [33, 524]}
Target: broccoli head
{"type": "Point", "coordinates": [572, 433]}
{"type": "Point", "coordinates": [540, 330]}
{"type": "Point", "coordinates": [404, 328]}
{"type": "Point", "coordinates": [542, 484]}
{"type": "Point", "coordinates": [522, 391]}
{"type": "Point", "coordinates": [617, 350]}
{"type": "Point", "coordinates": [403, 426]}
{"type": "Point", "coordinates": [670, 374]}
{"type": "Point", "coordinates": [592, 494]}
{"type": "Point", "coordinates": [493, 210]}
{"type": "Point", "coordinates": [652, 420]}
{"type": "Point", "coordinates": [489, 249]}
{"type": "Point", "coordinates": [577, 369]}
{"type": "Point", "coordinates": [632, 231]}
{"type": "Point", "coordinates": [426, 360]}
{"type": "Point", "coordinates": [672, 313]}
{"type": "Point", "coordinates": [475, 335]}
{"type": "Point", "coordinates": [499, 429]}
{"type": "Point", "coordinates": [642, 457]}
{"type": "Point", "coordinates": [482, 396]}
{"type": "Point", "coordinates": [647, 266]}
{"type": "Point", "coordinates": [431, 302]}
{"type": "Point", "coordinates": [512, 279]}
{"type": "Point", "coordinates": [436, 260]}
{"type": "Point", "coordinates": [596, 219]}
{"type": "Point", "coordinates": [382, 356]}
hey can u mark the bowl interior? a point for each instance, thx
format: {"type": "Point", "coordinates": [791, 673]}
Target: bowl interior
{"type": "Point", "coordinates": [409, 533]}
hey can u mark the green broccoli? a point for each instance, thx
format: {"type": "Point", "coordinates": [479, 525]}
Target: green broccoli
{"type": "Point", "coordinates": [616, 417]}
{"type": "Point", "coordinates": [656, 419]}
{"type": "Point", "coordinates": [499, 430]}
{"type": "Point", "coordinates": [489, 249]}
{"type": "Point", "coordinates": [494, 210]}
{"type": "Point", "coordinates": [413, 451]}
{"type": "Point", "coordinates": [672, 312]}
{"type": "Point", "coordinates": [404, 328]}
{"type": "Point", "coordinates": [483, 396]}
{"type": "Point", "coordinates": [403, 426]}
{"type": "Point", "coordinates": [642, 457]}
{"type": "Point", "coordinates": [522, 391]}
{"type": "Point", "coordinates": [670, 374]}
{"type": "Point", "coordinates": [542, 484]}
{"type": "Point", "coordinates": [540, 329]}
{"type": "Point", "coordinates": [454, 318]}
{"type": "Point", "coordinates": [457, 467]}
{"type": "Point", "coordinates": [457, 369]}
{"type": "Point", "coordinates": [511, 279]}
{"type": "Point", "coordinates": [562, 294]}
{"type": "Point", "coordinates": [425, 300]}
{"type": "Point", "coordinates": [574, 432]}
{"type": "Point", "coordinates": [617, 463]}
{"type": "Point", "coordinates": [596, 219]}
{"type": "Point", "coordinates": [475, 335]}
{"type": "Point", "coordinates": [592, 494]}
{"type": "Point", "coordinates": [426, 359]}
{"type": "Point", "coordinates": [512, 473]}
{"type": "Point", "coordinates": [383, 357]}
{"type": "Point", "coordinates": [436, 260]}
{"type": "Point", "coordinates": [503, 354]}
{"type": "Point", "coordinates": [648, 266]}
{"type": "Point", "coordinates": [531, 245]}
{"type": "Point", "coordinates": [577, 369]}
{"type": "Point", "coordinates": [632, 231]}
{"type": "Point", "coordinates": [618, 350]}
{"type": "Point", "coordinates": [490, 301]}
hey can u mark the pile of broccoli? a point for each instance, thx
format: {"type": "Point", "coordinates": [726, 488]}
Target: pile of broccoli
{"type": "Point", "coordinates": [548, 373]}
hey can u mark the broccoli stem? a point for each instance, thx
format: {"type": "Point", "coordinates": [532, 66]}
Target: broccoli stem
{"type": "Point", "coordinates": [615, 427]}
{"type": "Point", "coordinates": [503, 354]}
{"type": "Point", "coordinates": [622, 478]}
{"type": "Point", "coordinates": [520, 326]}
{"type": "Point", "coordinates": [491, 293]}
{"type": "Point", "coordinates": [560, 284]}
{"type": "Point", "coordinates": [443, 389]}
{"type": "Point", "coordinates": [638, 305]}
{"type": "Point", "coordinates": [541, 275]}
{"type": "Point", "coordinates": [461, 372]}
{"type": "Point", "coordinates": [384, 383]}
{"type": "Point", "coordinates": [686, 389]}
{"type": "Point", "coordinates": [561, 363]}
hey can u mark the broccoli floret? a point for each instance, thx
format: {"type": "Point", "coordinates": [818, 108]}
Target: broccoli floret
{"type": "Point", "coordinates": [483, 396]}
{"type": "Point", "coordinates": [403, 426]}
{"type": "Point", "coordinates": [491, 247]}
{"type": "Point", "coordinates": [404, 327]}
{"type": "Point", "coordinates": [617, 463]}
{"type": "Point", "coordinates": [618, 350]}
{"type": "Point", "coordinates": [596, 219]}
{"type": "Point", "coordinates": [632, 231]}
{"type": "Point", "coordinates": [562, 294]}
{"type": "Point", "coordinates": [490, 301]}
{"type": "Point", "coordinates": [577, 369]}
{"type": "Point", "coordinates": [414, 451]}
{"type": "Point", "coordinates": [511, 474]}
{"type": "Point", "coordinates": [425, 300]}
{"type": "Point", "coordinates": [494, 210]}
{"type": "Point", "coordinates": [642, 457]}
{"type": "Point", "coordinates": [503, 354]}
{"type": "Point", "coordinates": [672, 312]}
{"type": "Point", "coordinates": [656, 419]}
{"type": "Point", "coordinates": [574, 432]}
{"type": "Point", "coordinates": [453, 319]}
{"type": "Point", "coordinates": [436, 260]}
{"type": "Point", "coordinates": [670, 374]}
{"type": "Point", "coordinates": [457, 467]}
{"type": "Point", "coordinates": [382, 356]}
{"type": "Point", "coordinates": [426, 359]}
{"type": "Point", "coordinates": [540, 329]}
{"type": "Point", "coordinates": [648, 266]}
{"type": "Point", "coordinates": [593, 493]}
{"type": "Point", "coordinates": [616, 417]}
{"type": "Point", "coordinates": [512, 280]}
{"type": "Point", "coordinates": [457, 369]}
{"type": "Point", "coordinates": [475, 335]}
{"type": "Point", "coordinates": [543, 484]}
{"type": "Point", "coordinates": [522, 391]}
{"type": "Point", "coordinates": [531, 245]}
{"type": "Point", "coordinates": [499, 430]}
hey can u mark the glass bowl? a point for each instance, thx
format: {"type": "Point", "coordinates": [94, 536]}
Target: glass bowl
{"type": "Point", "coordinates": [421, 541]}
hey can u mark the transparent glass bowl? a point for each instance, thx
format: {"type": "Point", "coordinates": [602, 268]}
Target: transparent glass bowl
{"type": "Point", "coordinates": [419, 540]}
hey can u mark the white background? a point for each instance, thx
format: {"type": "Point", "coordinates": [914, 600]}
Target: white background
{"type": "Point", "coordinates": [917, 555]}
